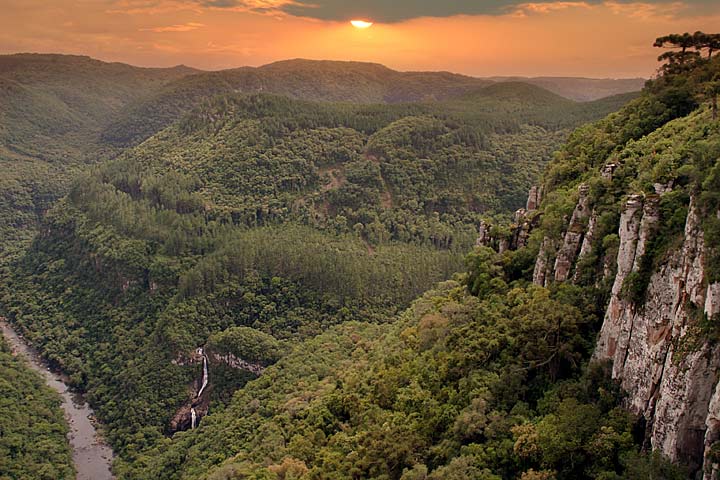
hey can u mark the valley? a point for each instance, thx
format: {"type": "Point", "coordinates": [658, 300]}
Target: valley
{"type": "Point", "coordinates": [333, 270]}
{"type": "Point", "coordinates": [91, 456]}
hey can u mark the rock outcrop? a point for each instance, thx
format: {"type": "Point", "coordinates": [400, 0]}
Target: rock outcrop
{"type": "Point", "coordinates": [524, 221]}
{"type": "Point", "coordinates": [182, 420]}
{"type": "Point", "coordinates": [534, 198]}
{"type": "Point", "coordinates": [615, 321]}
{"type": "Point", "coordinates": [664, 360]}
{"type": "Point", "coordinates": [573, 236]}
{"type": "Point", "coordinates": [658, 353]}
{"type": "Point", "coordinates": [543, 263]}
{"type": "Point", "coordinates": [556, 264]}
{"type": "Point", "coordinates": [587, 244]}
{"type": "Point", "coordinates": [198, 402]}
{"type": "Point", "coordinates": [236, 362]}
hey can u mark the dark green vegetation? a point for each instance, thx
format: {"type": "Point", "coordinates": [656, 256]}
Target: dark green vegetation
{"type": "Point", "coordinates": [291, 233]}
{"type": "Point", "coordinates": [451, 388]}
{"type": "Point", "coordinates": [484, 376]}
{"type": "Point", "coordinates": [317, 81]}
{"type": "Point", "coordinates": [63, 113]}
{"type": "Point", "coordinates": [32, 428]}
{"type": "Point", "coordinates": [54, 108]}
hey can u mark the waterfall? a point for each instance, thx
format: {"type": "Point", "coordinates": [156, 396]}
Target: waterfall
{"type": "Point", "coordinates": [205, 374]}
{"type": "Point", "coordinates": [193, 413]}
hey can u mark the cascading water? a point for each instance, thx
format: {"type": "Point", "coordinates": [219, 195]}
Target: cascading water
{"type": "Point", "coordinates": [205, 372]}
{"type": "Point", "coordinates": [205, 377]}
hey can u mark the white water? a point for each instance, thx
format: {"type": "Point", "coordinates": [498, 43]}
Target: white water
{"type": "Point", "coordinates": [92, 457]}
{"type": "Point", "coordinates": [193, 413]}
{"type": "Point", "coordinates": [205, 373]}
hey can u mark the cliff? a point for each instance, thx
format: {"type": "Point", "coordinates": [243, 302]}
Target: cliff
{"type": "Point", "coordinates": [651, 270]}
{"type": "Point", "coordinates": [656, 349]}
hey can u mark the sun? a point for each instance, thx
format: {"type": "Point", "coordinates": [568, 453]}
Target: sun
{"type": "Point", "coordinates": [361, 24]}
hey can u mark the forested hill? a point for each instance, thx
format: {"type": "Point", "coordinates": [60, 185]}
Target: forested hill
{"type": "Point", "coordinates": [224, 227]}
{"type": "Point", "coordinates": [63, 113]}
{"type": "Point", "coordinates": [64, 100]}
{"type": "Point", "coordinates": [497, 374]}
{"type": "Point", "coordinates": [52, 111]}
{"type": "Point", "coordinates": [302, 79]}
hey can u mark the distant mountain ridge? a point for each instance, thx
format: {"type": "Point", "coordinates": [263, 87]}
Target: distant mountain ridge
{"type": "Point", "coordinates": [109, 98]}
{"type": "Point", "coordinates": [61, 112]}
{"type": "Point", "coordinates": [52, 110]}
{"type": "Point", "coordinates": [316, 80]}
{"type": "Point", "coordinates": [580, 89]}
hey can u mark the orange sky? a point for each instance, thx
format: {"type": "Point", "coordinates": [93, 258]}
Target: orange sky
{"type": "Point", "coordinates": [609, 39]}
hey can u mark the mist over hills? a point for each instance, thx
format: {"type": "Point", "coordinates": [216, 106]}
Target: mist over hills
{"type": "Point", "coordinates": [579, 88]}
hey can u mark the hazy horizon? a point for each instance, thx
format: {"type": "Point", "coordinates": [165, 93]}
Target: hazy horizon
{"type": "Point", "coordinates": [593, 39]}
{"type": "Point", "coordinates": [489, 76]}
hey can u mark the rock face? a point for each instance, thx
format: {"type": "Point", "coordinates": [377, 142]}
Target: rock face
{"type": "Point", "coordinates": [525, 220]}
{"type": "Point", "coordinates": [542, 270]}
{"type": "Point", "coordinates": [556, 264]}
{"type": "Point", "coordinates": [484, 238]}
{"type": "Point", "coordinates": [586, 247]}
{"type": "Point", "coordinates": [668, 366]}
{"type": "Point", "coordinates": [668, 369]}
{"type": "Point", "coordinates": [534, 198]}
{"type": "Point", "coordinates": [236, 362]}
{"type": "Point", "coordinates": [182, 420]}
{"type": "Point", "coordinates": [659, 354]}
{"type": "Point", "coordinates": [198, 402]}
{"type": "Point", "coordinates": [573, 236]}
{"type": "Point", "coordinates": [608, 171]}
{"type": "Point", "coordinates": [614, 322]}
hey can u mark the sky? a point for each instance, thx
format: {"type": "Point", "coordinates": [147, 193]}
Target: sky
{"type": "Point", "coordinates": [590, 38]}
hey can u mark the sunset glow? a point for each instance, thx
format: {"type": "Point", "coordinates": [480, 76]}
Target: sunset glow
{"type": "Point", "coordinates": [597, 39]}
{"type": "Point", "coordinates": [362, 24]}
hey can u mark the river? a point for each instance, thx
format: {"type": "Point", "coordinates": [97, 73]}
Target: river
{"type": "Point", "coordinates": [91, 455]}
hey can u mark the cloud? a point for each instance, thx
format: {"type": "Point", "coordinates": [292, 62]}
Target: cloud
{"type": "Point", "coordinates": [645, 11]}
{"type": "Point", "coordinates": [385, 11]}
{"type": "Point", "coordinates": [153, 7]}
{"type": "Point", "coordinates": [256, 6]}
{"type": "Point", "coordinates": [525, 9]}
{"type": "Point", "coordinates": [183, 27]}
{"type": "Point", "coordinates": [394, 11]}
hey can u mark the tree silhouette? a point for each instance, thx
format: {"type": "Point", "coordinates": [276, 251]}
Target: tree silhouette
{"type": "Point", "coordinates": [707, 41]}
{"type": "Point", "coordinates": [678, 61]}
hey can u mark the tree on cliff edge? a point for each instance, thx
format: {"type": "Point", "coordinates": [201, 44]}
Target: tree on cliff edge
{"type": "Point", "coordinates": [686, 49]}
